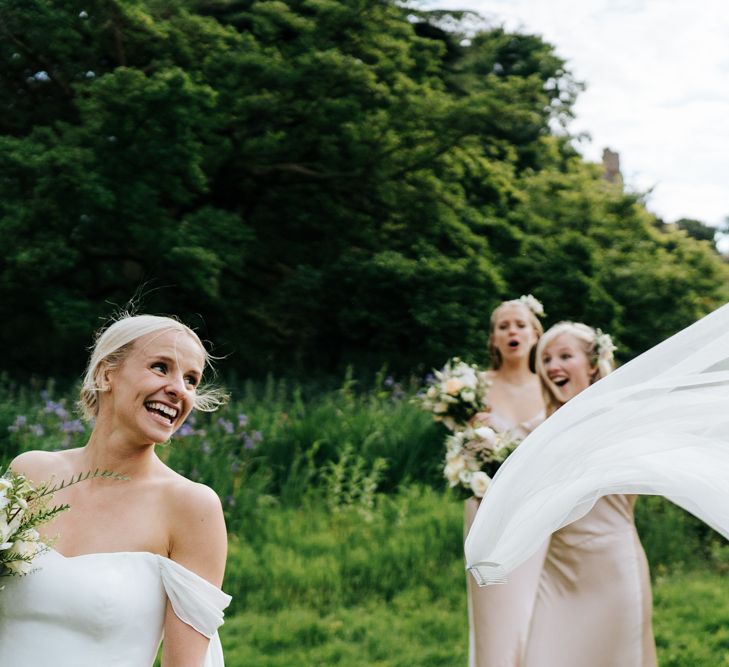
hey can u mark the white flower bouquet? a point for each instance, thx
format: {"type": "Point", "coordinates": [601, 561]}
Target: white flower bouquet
{"type": "Point", "coordinates": [473, 456]}
{"type": "Point", "coordinates": [456, 393]}
{"type": "Point", "coordinates": [24, 507]}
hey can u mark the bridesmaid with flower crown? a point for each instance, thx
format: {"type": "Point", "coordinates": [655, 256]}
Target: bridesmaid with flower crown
{"type": "Point", "coordinates": [594, 600]}
{"type": "Point", "coordinates": [499, 616]}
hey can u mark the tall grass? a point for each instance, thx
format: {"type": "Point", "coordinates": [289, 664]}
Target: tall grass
{"type": "Point", "coordinates": [282, 445]}
{"type": "Point", "coordinates": [345, 549]}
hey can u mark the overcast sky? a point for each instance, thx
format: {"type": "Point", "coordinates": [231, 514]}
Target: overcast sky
{"type": "Point", "coordinates": [657, 76]}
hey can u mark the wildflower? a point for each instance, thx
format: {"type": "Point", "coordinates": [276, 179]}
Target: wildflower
{"type": "Point", "coordinates": [185, 430]}
{"type": "Point", "coordinates": [242, 420]}
{"type": "Point", "coordinates": [73, 426]}
{"type": "Point", "coordinates": [226, 425]}
{"type": "Point", "coordinates": [55, 408]}
{"type": "Point", "coordinates": [20, 422]}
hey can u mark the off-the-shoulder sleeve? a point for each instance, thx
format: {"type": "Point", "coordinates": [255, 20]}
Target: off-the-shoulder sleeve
{"type": "Point", "coordinates": [196, 602]}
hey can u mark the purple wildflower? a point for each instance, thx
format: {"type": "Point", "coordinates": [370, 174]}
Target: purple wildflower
{"type": "Point", "coordinates": [226, 425]}
{"type": "Point", "coordinates": [73, 426]}
{"type": "Point", "coordinates": [37, 430]}
{"type": "Point", "coordinates": [397, 392]}
{"type": "Point", "coordinates": [242, 420]}
{"type": "Point", "coordinates": [20, 422]}
{"type": "Point", "coordinates": [185, 430]}
{"type": "Point", "coordinates": [55, 408]}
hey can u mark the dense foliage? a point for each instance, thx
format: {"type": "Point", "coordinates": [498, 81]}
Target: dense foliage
{"type": "Point", "coordinates": [310, 182]}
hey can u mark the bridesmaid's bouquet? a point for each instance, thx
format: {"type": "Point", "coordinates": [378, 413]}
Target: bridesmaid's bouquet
{"type": "Point", "coordinates": [455, 394]}
{"type": "Point", "coordinates": [24, 507]}
{"type": "Point", "coordinates": [473, 456]}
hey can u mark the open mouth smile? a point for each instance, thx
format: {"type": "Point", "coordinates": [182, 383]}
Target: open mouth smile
{"type": "Point", "coordinates": [167, 412]}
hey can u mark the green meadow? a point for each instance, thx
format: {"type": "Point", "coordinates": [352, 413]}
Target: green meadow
{"type": "Point", "coordinates": [345, 547]}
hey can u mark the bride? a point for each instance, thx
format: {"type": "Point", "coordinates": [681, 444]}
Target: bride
{"type": "Point", "coordinates": [132, 561]}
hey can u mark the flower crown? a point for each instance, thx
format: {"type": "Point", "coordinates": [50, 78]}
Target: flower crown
{"type": "Point", "coordinates": [533, 304]}
{"type": "Point", "coordinates": [604, 346]}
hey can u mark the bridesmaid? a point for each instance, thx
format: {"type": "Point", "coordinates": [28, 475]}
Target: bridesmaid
{"type": "Point", "coordinates": [498, 616]}
{"type": "Point", "coordinates": [594, 600]}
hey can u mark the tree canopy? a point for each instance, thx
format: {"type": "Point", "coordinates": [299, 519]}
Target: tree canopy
{"type": "Point", "coordinates": [311, 183]}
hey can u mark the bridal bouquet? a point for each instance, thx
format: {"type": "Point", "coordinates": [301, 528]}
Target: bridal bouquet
{"type": "Point", "coordinates": [456, 393]}
{"type": "Point", "coordinates": [24, 507]}
{"type": "Point", "coordinates": [473, 456]}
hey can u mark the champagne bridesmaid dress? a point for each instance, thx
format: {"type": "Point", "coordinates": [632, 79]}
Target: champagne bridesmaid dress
{"type": "Point", "coordinates": [594, 598]}
{"type": "Point", "coordinates": [499, 616]}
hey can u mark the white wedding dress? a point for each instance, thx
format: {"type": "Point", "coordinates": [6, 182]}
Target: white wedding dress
{"type": "Point", "coordinates": [103, 610]}
{"type": "Point", "coordinates": [658, 425]}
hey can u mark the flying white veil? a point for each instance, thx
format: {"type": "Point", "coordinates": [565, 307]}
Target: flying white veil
{"type": "Point", "coordinates": [658, 425]}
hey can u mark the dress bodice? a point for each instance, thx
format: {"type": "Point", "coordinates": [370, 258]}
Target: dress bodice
{"type": "Point", "coordinates": [502, 424]}
{"type": "Point", "coordinates": [103, 609]}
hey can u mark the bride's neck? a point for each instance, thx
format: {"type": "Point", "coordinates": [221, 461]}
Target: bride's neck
{"type": "Point", "coordinates": [110, 452]}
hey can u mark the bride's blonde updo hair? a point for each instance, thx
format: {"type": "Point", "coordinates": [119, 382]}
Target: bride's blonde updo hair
{"type": "Point", "coordinates": [113, 344]}
{"type": "Point", "coordinates": [597, 346]}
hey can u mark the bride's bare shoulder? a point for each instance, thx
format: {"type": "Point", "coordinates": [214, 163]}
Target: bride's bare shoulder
{"type": "Point", "coordinates": [39, 466]}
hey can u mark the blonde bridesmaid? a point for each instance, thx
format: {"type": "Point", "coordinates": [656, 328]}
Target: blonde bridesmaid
{"type": "Point", "coordinates": [594, 603]}
{"type": "Point", "coordinates": [499, 616]}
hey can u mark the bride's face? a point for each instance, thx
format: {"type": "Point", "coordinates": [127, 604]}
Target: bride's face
{"type": "Point", "coordinates": [567, 367]}
{"type": "Point", "coordinates": [153, 390]}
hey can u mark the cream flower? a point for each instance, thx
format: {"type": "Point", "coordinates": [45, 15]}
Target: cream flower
{"type": "Point", "coordinates": [479, 483]}
{"type": "Point", "coordinates": [468, 395]}
{"type": "Point", "coordinates": [19, 567]}
{"type": "Point", "coordinates": [604, 346]}
{"type": "Point", "coordinates": [453, 386]}
{"type": "Point", "coordinates": [533, 304]}
{"type": "Point", "coordinates": [455, 466]}
{"type": "Point", "coordinates": [468, 377]}
{"type": "Point", "coordinates": [487, 434]}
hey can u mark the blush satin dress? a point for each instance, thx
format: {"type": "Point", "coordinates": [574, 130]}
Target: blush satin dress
{"type": "Point", "coordinates": [594, 601]}
{"type": "Point", "coordinates": [499, 616]}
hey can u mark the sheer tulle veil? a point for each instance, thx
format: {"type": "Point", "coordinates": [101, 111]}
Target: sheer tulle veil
{"type": "Point", "coordinates": [659, 425]}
